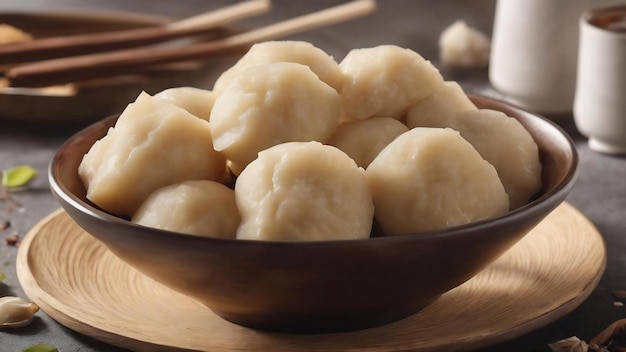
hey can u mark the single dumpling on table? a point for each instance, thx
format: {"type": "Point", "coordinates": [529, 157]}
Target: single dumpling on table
{"type": "Point", "coordinates": [201, 208]}
{"type": "Point", "coordinates": [272, 104]}
{"type": "Point", "coordinates": [303, 191]}
{"type": "Point", "coordinates": [153, 144]}
{"type": "Point", "coordinates": [440, 107]}
{"type": "Point", "coordinates": [463, 46]}
{"type": "Point", "coordinates": [322, 64]}
{"type": "Point", "coordinates": [196, 101]}
{"type": "Point", "coordinates": [362, 140]}
{"type": "Point", "coordinates": [508, 146]}
{"type": "Point", "coordinates": [385, 81]}
{"type": "Point", "coordinates": [432, 179]}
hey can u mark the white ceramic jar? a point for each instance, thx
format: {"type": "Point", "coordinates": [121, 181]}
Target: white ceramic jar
{"type": "Point", "coordinates": [600, 101]}
{"type": "Point", "coordinates": [534, 52]}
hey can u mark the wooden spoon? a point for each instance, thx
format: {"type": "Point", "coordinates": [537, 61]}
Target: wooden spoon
{"type": "Point", "coordinates": [64, 46]}
{"type": "Point", "coordinates": [101, 65]}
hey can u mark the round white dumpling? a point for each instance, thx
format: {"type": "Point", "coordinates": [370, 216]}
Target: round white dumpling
{"type": "Point", "coordinates": [362, 140]}
{"type": "Point", "coordinates": [303, 191]}
{"type": "Point", "coordinates": [323, 65]}
{"type": "Point", "coordinates": [201, 208]}
{"type": "Point", "coordinates": [196, 101]}
{"type": "Point", "coordinates": [463, 46]}
{"type": "Point", "coordinates": [507, 145]}
{"type": "Point", "coordinates": [430, 179]}
{"type": "Point", "coordinates": [271, 104]}
{"type": "Point", "coordinates": [153, 144]}
{"type": "Point", "coordinates": [385, 81]}
{"type": "Point", "coordinates": [440, 107]}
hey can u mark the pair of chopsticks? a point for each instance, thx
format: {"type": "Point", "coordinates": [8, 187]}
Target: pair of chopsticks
{"type": "Point", "coordinates": [97, 65]}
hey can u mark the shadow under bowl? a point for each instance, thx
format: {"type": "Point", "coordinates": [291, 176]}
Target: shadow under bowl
{"type": "Point", "coordinates": [315, 287]}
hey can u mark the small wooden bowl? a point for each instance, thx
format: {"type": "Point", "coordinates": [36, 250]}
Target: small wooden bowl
{"type": "Point", "coordinates": [315, 287]}
{"type": "Point", "coordinates": [89, 101]}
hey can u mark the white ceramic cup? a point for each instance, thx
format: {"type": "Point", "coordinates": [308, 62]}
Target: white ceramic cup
{"type": "Point", "coordinates": [600, 100]}
{"type": "Point", "coordinates": [534, 51]}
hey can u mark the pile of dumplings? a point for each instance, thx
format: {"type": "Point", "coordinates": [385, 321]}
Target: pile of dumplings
{"type": "Point", "coordinates": [290, 145]}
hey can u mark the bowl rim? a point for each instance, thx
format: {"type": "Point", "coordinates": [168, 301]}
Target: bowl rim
{"type": "Point", "coordinates": [530, 209]}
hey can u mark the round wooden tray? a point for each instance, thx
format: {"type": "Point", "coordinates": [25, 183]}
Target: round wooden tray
{"type": "Point", "coordinates": [76, 281]}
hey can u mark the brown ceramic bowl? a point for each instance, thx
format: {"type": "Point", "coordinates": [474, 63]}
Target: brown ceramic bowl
{"type": "Point", "coordinates": [318, 286]}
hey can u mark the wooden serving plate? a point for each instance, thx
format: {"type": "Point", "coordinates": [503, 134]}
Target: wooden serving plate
{"type": "Point", "coordinates": [79, 283]}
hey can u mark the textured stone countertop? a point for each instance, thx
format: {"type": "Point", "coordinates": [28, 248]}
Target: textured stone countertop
{"type": "Point", "coordinates": [600, 192]}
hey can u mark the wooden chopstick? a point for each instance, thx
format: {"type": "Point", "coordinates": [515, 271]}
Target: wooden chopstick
{"type": "Point", "coordinates": [85, 67]}
{"type": "Point", "coordinates": [54, 47]}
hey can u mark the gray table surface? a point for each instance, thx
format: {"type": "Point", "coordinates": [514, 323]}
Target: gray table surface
{"type": "Point", "coordinates": [600, 192]}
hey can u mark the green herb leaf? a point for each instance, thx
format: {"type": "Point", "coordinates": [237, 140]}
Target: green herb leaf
{"type": "Point", "coordinates": [18, 176]}
{"type": "Point", "coordinates": [3, 275]}
{"type": "Point", "coordinates": [41, 348]}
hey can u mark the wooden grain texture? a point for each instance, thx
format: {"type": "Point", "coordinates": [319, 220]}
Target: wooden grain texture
{"type": "Point", "coordinates": [91, 101]}
{"type": "Point", "coordinates": [80, 284]}
{"type": "Point", "coordinates": [91, 66]}
{"type": "Point", "coordinates": [76, 44]}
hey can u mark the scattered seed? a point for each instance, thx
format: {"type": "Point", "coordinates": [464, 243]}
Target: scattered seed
{"type": "Point", "coordinates": [570, 344]}
{"type": "Point", "coordinates": [619, 294]}
{"type": "Point", "coordinates": [4, 225]}
{"type": "Point", "coordinates": [618, 304]}
{"type": "Point", "coordinates": [16, 312]}
{"type": "Point", "coordinates": [13, 239]}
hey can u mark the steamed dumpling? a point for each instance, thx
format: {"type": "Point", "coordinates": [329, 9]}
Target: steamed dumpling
{"type": "Point", "coordinates": [430, 179]}
{"type": "Point", "coordinates": [303, 191]}
{"type": "Point", "coordinates": [507, 145]}
{"type": "Point", "coordinates": [385, 81]}
{"type": "Point", "coordinates": [463, 46]}
{"type": "Point", "coordinates": [201, 208]}
{"type": "Point", "coordinates": [440, 107]}
{"type": "Point", "coordinates": [153, 144]}
{"type": "Point", "coordinates": [500, 139]}
{"type": "Point", "coordinates": [271, 104]}
{"type": "Point", "coordinates": [196, 101]}
{"type": "Point", "coordinates": [362, 140]}
{"type": "Point", "coordinates": [323, 65]}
